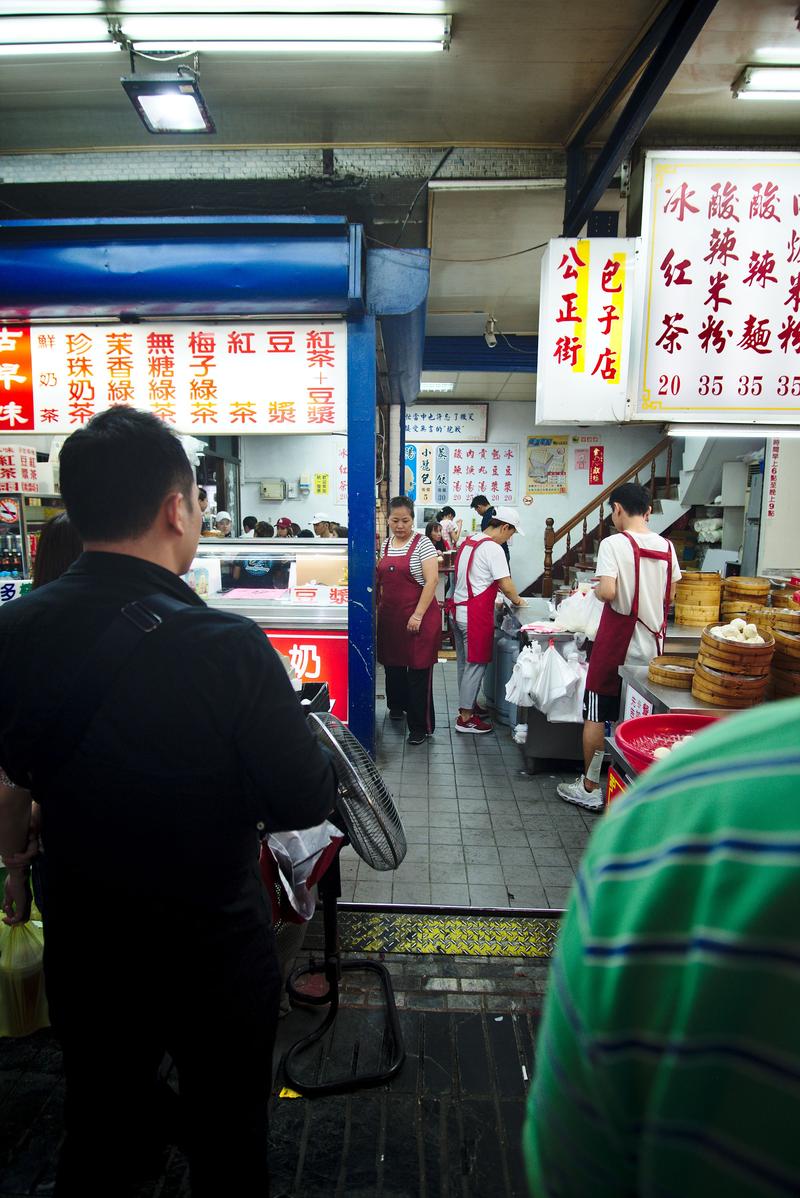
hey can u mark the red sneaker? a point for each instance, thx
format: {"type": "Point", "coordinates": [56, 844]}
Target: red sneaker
{"type": "Point", "coordinates": [474, 724]}
{"type": "Point", "coordinates": [481, 712]}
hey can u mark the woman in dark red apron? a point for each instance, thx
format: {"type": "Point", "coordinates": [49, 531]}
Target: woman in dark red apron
{"type": "Point", "coordinates": [409, 621]}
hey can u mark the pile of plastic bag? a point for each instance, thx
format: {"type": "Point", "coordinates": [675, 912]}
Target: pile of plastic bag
{"type": "Point", "coordinates": [551, 683]}
{"type": "Point", "coordinates": [580, 612]}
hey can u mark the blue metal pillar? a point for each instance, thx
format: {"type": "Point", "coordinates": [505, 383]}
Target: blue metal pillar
{"type": "Point", "coordinates": [361, 409]}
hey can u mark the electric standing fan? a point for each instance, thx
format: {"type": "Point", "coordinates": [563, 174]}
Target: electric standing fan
{"type": "Point", "coordinates": [366, 811]}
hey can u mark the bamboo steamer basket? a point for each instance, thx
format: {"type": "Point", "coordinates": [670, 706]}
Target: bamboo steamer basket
{"type": "Point", "coordinates": [723, 696]}
{"type": "Point", "coordinates": [739, 686]}
{"type": "Point", "coordinates": [697, 599]}
{"type": "Point", "coordinates": [735, 657]}
{"type": "Point", "coordinates": [695, 616]}
{"type": "Point", "coordinates": [774, 617]}
{"type": "Point", "coordinates": [672, 669]}
{"type": "Point", "coordinates": [787, 644]}
{"type": "Point", "coordinates": [756, 590]}
{"type": "Point", "coordinates": [786, 683]}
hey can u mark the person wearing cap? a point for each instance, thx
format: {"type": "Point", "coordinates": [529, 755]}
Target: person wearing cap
{"type": "Point", "coordinates": [223, 523]}
{"type": "Point", "coordinates": [481, 570]}
{"type": "Point", "coordinates": [283, 527]}
{"type": "Point", "coordinates": [481, 505]}
{"type": "Point", "coordinates": [321, 523]}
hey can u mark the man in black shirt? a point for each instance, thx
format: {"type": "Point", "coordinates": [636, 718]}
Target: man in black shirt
{"type": "Point", "coordinates": [481, 505]}
{"type": "Point", "coordinates": [157, 926]}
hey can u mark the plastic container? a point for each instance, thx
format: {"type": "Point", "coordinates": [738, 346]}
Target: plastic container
{"type": "Point", "coordinates": [506, 652]}
{"type": "Point", "coordinates": [639, 738]}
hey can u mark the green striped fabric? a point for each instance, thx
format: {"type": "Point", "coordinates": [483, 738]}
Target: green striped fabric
{"type": "Point", "coordinates": [668, 1062]}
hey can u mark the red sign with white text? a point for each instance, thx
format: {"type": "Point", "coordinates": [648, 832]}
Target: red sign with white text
{"type": "Point", "coordinates": [16, 380]}
{"type": "Point", "coordinates": [317, 657]}
{"type": "Point", "coordinates": [596, 456]}
{"type": "Point", "coordinates": [616, 785]}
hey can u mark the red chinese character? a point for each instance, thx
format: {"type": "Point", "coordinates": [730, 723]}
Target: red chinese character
{"type": "Point", "coordinates": [762, 205]}
{"type": "Point", "coordinates": [756, 335]}
{"type": "Point", "coordinates": [202, 343]}
{"type": "Point", "coordinates": [610, 314]}
{"type": "Point", "coordinates": [675, 274]}
{"type": "Point", "coordinates": [570, 311]}
{"type": "Point", "coordinates": [244, 410]}
{"type": "Point", "coordinates": [321, 414]}
{"type": "Point", "coordinates": [796, 204]}
{"type": "Point", "coordinates": [120, 393]}
{"type": "Point", "coordinates": [793, 246]}
{"type": "Point", "coordinates": [281, 412]}
{"type": "Point", "coordinates": [790, 334]}
{"type": "Point", "coordinates": [240, 343]}
{"type": "Point", "coordinates": [571, 271]}
{"type": "Point", "coordinates": [672, 331]}
{"type": "Point", "coordinates": [320, 394]}
{"type": "Point", "coordinates": [610, 271]}
{"type": "Point", "coordinates": [320, 348]}
{"type": "Point", "coordinates": [160, 343]}
{"type": "Point", "coordinates": [78, 343]}
{"type": "Point", "coordinates": [280, 342]}
{"type": "Point", "coordinates": [716, 286]}
{"type": "Point", "coordinates": [48, 415]}
{"type": "Point", "coordinates": [163, 368]}
{"type": "Point", "coordinates": [203, 396]}
{"type": "Point", "coordinates": [760, 269]}
{"type": "Point", "coordinates": [721, 247]}
{"type": "Point", "coordinates": [679, 201]}
{"type": "Point", "coordinates": [712, 335]}
{"type": "Point", "coordinates": [567, 350]}
{"type": "Point", "coordinates": [606, 364]}
{"type": "Point", "coordinates": [338, 595]}
{"type": "Point", "coordinates": [79, 368]}
{"type": "Point", "coordinates": [722, 201]}
{"type": "Point", "coordinates": [794, 292]}
{"type": "Point", "coordinates": [202, 365]}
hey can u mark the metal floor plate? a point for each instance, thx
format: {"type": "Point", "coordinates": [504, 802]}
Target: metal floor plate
{"type": "Point", "coordinates": [467, 935]}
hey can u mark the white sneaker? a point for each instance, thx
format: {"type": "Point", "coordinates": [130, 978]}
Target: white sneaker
{"type": "Point", "coordinates": [575, 792]}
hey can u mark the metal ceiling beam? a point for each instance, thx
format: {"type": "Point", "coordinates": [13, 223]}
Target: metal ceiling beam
{"type": "Point", "coordinates": [666, 43]}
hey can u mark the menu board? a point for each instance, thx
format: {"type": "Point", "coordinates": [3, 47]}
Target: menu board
{"type": "Point", "coordinates": [721, 280]}
{"type": "Point", "coordinates": [202, 376]}
{"type": "Point", "coordinates": [439, 474]}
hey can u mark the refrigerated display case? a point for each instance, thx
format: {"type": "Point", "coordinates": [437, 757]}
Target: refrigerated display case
{"type": "Point", "coordinates": [22, 518]}
{"type": "Point", "coordinates": [296, 591]}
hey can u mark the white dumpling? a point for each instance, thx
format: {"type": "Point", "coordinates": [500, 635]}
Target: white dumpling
{"type": "Point", "coordinates": [661, 751]}
{"type": "Point", "coordinates": [738, 623]}
{"type": "Point", "coordinates": [750, 631]}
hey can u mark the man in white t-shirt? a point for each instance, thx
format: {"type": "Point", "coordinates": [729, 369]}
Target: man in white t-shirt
{"type": "Point", "coordinates": [637, 571]}
{"type": "Point", "coordinates": [481, 570]}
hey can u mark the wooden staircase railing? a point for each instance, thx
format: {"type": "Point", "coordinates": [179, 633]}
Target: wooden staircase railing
{"type": "Point", "coordinates": [597, 505]}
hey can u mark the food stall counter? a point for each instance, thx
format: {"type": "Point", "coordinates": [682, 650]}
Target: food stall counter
{"type": "Point", "coordinates": [682, 638]}
{"type": "Point", "coordinates": [640, 696]}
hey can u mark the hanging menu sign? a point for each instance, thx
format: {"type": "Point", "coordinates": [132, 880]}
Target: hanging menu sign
{"type": "Point", "coordinates": [213, 378]}
{"type": "Point", "coordinates": [438, 474]}
{"type": "Point", "coordinates": [721, 279]}
{"type": "Point", "coordinates": [449, 422]}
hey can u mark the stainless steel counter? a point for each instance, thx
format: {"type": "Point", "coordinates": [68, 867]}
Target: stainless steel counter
{"type": "Point", "coordinates": [681, 638]}
{"type": "Point", "coordinates": [663, 698]}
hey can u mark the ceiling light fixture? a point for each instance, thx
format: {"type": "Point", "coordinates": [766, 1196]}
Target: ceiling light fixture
{"type": "Point", "coordinates": [170, 103]}
{"type": "Point", "coordinates": [730, 430]}
{"type": "Point", "coordinates": [435, 388]}
{"type": "Point", "coordinates": [768, 83]}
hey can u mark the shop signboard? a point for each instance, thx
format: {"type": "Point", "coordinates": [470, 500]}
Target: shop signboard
{"type": "Point", "coordinates": [316, 657]}
{"type": "Point", "coordinates": [720, 288]}
{"type": "Point", "coordinates": [585, 325]}
{"type": "Point", "coordinates": [547, 465]}
{"type": "Point", "coordinates": [438, 474]}
{"type": "Point", "coordinates": [446, 422]}
{"type": "Point", "coordinates": [201, 377]}
{"type": "Point", "coordinates": [18, 470]}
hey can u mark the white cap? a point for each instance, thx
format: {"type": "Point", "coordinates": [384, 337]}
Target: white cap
{"type": "Point", "coordinates": [508, 515]}
{"type": "Point", "coordinates": [320, 517]}
{"type": "Point", "coordinates": [222, 516]}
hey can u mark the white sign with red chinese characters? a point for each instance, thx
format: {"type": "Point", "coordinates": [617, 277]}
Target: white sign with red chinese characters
{"type": "Point", "coordinates": [18, 471]}
{"type": "Point", "coordinates": [585, 326]}
{"type": "Point", "coordinates": [201, 376]}
{"type": "Point", "coordinates": [636, 704]}
{"type": "Point", "coordinates": [438, 474]}
{"type": "Point", "coordinates": [456, 422]}
{"type": "Point", "coordinates": [720, 288]}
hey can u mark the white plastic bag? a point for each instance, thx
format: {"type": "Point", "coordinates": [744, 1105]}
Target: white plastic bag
{"type": "Point", "coordinates": [296, 854]}
{"type": "Point", "coordinates": [520, 686]}
{"type": "Point", "coordinates": [569, 709]}
{"type": "Point", "coordinates": [581, 612]}
{"type": "Point", "coordinates": [557, 679]}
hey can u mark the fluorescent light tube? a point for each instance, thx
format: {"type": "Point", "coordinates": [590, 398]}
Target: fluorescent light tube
{"type": "Point", "coordinates": [21, 30]}
{"type": "Point", "coordinates": [187, 46]}
{"type": "Point", "coordinates": [195, 28]}
{"type": "Point", "coordinates": [730, 430]}
{"type": "Point", "coordinates": [433, 388]}
{"type": "Point", "coordinates": [32, 49]}
{"type": "Point", "coordinates": [768, 83]}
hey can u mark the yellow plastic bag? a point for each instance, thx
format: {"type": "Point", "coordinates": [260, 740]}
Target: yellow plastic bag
{"type": "Point", "coordinates": [23, 1005]}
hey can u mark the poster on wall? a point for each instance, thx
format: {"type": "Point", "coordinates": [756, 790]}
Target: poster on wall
{"type": "Point", "coordinates": [18, 470]}
{"type": "Point", "coordinates": [231, 378]}
{"type": "Point", "coordinates": [586, 318]}
{"type": "Point", "coordinates": [720, 287]}
{"type": "Point", "coordinates": [439, 474]}
{"type": "Point", "coordinates": [446, 422]}
{"type": "Point", "coordinates": [596, 458]}
{"type": "Point", "coordinates": [547, 465]}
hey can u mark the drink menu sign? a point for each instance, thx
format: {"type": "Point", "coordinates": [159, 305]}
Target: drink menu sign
{"type": "Point", "coordinates": [438, 474]}
{"type": "Point", "coordinates": [288, 377]}
{"type": "Point", "coordinates": [721, 288]}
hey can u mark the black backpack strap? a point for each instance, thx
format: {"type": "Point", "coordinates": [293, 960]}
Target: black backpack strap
{"type": "Point", "coordinates": [97, 675]}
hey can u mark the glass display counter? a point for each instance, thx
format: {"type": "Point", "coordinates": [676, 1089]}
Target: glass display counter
{"type": "Point", "coordinates": [295, 590]}
{"type": "Point", "coordinates": [22, 518]}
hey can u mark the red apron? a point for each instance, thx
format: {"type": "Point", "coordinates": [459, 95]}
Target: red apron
{"type": "Point", "coordinates": [480, 609]}
{"type": "Point", "coordinates": [616, 631]}
{"type": "Point", "coordinates": [398, 596]}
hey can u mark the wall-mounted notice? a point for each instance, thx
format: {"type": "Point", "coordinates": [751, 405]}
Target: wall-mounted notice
{"type": "Point", "coordinates": [446, 422]}
{"type": "Point", "coordinates": [585, 323]}
{"type": "Point", "coordinates": [216, 378]}
{"type": "Point", "coordinates": [547, 465]}
{"type": "Point", "coordinates": [596, 457]}
{"type": "Point", "coordinates": [438, 474]}
{"type": "Point", "coordinates": [721, 287]}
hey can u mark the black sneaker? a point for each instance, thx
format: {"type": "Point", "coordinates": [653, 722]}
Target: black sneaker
{"type": "Point", "coordinates": [417, 738]}
{"type": "Point", "coordinates": [395, 713]}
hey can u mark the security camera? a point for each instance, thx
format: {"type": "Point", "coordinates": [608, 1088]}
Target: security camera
{"type": "Point", "coordinates": [489, 334]}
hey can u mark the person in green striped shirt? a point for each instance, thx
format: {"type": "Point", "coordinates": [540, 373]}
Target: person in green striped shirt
{"type": "Point", "coordinates": [668, 1061]}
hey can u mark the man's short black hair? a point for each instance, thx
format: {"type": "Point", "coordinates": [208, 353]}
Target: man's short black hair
{"type": "Point", "coordinates": [116, 472]}
{"type": "Point", "coordinates": [480, 500]}
{"type": "Point", "coordinates": [202, 493]}
{"type": "Point", "coordinates": [249, 522]}
{"type": "Point", "coordinates": [632, 498]}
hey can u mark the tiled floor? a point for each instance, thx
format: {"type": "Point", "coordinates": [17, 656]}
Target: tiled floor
{"type": "Point", "coordinates": [480, 833]}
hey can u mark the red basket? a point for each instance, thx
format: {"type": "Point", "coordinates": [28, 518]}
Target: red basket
{"type": "Point", "coordinates": [639, 738]}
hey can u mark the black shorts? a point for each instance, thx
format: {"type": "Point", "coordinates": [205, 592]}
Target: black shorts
{"type": "Point", "coordinates": [601, 708]}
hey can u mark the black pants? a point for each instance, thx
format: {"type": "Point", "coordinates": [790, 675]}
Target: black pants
{"type": "Point", "coordinates": [122, 992]}
{"type": "Point", "coordinates": [411, 691]}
